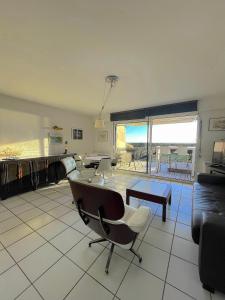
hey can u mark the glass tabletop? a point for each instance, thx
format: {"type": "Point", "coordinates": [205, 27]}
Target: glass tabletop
{"type": "Point", "coordinates": [152, 187]}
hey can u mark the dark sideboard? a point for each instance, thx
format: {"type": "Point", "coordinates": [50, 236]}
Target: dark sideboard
{"type": "Point", "coordinates": [26, 174]}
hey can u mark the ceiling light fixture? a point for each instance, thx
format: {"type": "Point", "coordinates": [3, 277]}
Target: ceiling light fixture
{"type": "Point", "coordinates": [112, 80]}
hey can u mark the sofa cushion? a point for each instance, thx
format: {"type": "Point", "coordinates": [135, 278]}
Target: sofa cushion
{"type": "Point", "coordinates": [206, 198]}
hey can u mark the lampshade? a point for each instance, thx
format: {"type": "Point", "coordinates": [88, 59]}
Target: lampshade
{"type": "Point", "coordinates": [99, 123]}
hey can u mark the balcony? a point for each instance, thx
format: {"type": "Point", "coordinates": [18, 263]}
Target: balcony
{"type": "Point", "coordinates": [165, 160]}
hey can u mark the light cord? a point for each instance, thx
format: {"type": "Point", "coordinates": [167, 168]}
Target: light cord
{"type": "Point", "coordinates": [106, 97]}
{"type": "Point", "coordinates": [112, 79]}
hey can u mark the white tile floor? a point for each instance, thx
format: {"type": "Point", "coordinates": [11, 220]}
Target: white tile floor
{"type": "Point", "coordinates": [44, 251]}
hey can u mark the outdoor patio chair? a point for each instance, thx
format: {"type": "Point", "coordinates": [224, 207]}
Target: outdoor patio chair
{"type": "Point", "coordinates": [182, 161]}
{"type": "Point", "coordinates": [163, 160]}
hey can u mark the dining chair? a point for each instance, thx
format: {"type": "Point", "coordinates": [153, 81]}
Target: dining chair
{"type": "Point", "coordinates": [73, 173]}
{"type": "Point", "coordinates": [82, 163]}
{"type": "Point", "coordinates": [105, 166]}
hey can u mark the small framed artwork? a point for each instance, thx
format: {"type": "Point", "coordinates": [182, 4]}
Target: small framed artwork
{"type": "Point", "coordinates": [77, 134]}
{"type": "Point", "coordinates": [55, 138]}
{"type": "Point", "coordinates": [103, 136]}
{"type": "Point", "coordinates": [217, 124]}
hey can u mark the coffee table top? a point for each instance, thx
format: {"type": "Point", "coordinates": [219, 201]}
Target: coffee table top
{"type": "Point", "coordinates": [154, 188]}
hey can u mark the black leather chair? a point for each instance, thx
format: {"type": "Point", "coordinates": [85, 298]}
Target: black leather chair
{"type": "Point", "coordinates": [103, 210]}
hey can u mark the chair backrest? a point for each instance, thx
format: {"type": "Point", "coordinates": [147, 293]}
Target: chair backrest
{"type": "Point", "coordinates": [69, 164]}
{"type": "Point", "coordinates": [77, 157]}
{"type": "Point", "coordinates": [164, 150]}
{"type": "Point", "coordinates": [105, 165]}
{"type": "Point", "coordinates": [100, 209]}
{"type": "Point", "coordinates": [182, 151]}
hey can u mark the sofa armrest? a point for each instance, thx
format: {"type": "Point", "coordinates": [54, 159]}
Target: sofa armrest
{"type": "Point", "coordinates": [212, 251]}
{"type": "Point", "coordinates": [210, 178]}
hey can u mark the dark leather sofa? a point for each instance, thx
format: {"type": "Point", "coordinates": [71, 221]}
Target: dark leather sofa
{"type": "Point", "coordinates": [208, 229]}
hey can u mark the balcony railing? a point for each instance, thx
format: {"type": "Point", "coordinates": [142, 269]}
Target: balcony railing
{"type": "Point", "coordinates": [164, 160]}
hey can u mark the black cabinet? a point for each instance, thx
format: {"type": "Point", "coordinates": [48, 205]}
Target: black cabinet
{"type": "Point", "coordinates": [23, 175]}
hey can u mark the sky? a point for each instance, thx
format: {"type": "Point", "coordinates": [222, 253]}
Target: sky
{"type": "Point", "coordinates": [163, 133]}
{"type": "Point", "coordinates": [136, 134]}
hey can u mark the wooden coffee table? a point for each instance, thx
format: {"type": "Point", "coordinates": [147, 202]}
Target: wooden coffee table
{"type": "Point", "coordinates": [153, 191]}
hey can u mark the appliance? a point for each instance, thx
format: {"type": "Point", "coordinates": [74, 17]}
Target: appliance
{"type": "Point", "coordinates": [112, 80]}
{"type": "Point", "coordinates": [219, 153]}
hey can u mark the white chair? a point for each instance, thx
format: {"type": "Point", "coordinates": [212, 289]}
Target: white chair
{"type": "Point", "coordinates": [82, 162]}
{"type": "Point", "coordinates": [163, 158]}
{"type": "Point", "coordinates": [73, 174]}
{"type": "Point", "coordinates": [105, 166]}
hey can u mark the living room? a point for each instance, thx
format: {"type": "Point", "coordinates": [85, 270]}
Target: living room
{"type": "Point", "coordinates": [120, 105]}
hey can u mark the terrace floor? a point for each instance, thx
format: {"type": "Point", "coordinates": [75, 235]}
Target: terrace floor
{"type": "Point", "coordinates": [163, 171]}
{"type": "Point", "coordinates": [44, 251]}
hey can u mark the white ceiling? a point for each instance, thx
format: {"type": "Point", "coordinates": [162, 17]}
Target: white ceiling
{"type": "Point", "coordinates": [57, 52]}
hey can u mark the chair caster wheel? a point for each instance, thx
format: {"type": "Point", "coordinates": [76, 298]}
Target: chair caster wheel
{"type": "Point", "coordinates": [140, 259]}
{"type": "Point", "coordinates": [89, 245]}
{"type": "Point", "coordinates": [107, 272]}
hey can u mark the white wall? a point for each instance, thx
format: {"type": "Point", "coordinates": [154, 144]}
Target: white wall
{"type": "Point", "coordinates": [104, 147]}
{"type": "Point", "coordinates": [208, 108]}
{"type": "Point", "coordinates": [26, 124]}
{"type": "Point", "coordinates": [22, 122]}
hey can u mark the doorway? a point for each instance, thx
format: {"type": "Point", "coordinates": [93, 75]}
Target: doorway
{"type": "Point", "coordinates": [132, 146]}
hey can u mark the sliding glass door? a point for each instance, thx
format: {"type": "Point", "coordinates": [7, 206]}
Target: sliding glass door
{"type": "Point", "coordinates": [163, 147]}
{"type": "Point", "coordinates": [173, 147]}
{"type": "Point", "coordinates": [131, 142]}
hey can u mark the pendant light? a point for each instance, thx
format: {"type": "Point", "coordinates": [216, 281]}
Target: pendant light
{"type": "Point", "coordinates": [111, 80]}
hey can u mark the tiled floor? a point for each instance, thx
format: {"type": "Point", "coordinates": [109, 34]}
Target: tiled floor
{"type": "Point", "coordinates": [44, 251]}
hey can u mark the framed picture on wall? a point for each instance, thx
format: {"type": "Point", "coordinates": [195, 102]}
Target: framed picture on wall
{"type": "Point", "coordinates": [77, 134]}
{"type": "Point", "coordinates": [55, 138]}
{"type": "Point", "coordinates": [217, 124]}
{"type": "Point", "coordinates": [102, 136]}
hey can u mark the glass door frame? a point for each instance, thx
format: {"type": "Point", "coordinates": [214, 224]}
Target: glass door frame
{"type": "Point", "coordinates": [146, 120]}
{"type": "Point", "coordinates": [149, 122]}
{"type": "Point", "coordinates": [198, 137]}
{"type": "Point", "coordinates": [149, 146]}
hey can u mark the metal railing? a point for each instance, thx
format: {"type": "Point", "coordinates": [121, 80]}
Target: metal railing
{"type": "Point", "coordinates": [164, 160]}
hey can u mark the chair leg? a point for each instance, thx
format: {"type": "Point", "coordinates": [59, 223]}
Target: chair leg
{"type": "Point", "coordinates": [97, 241]}
{"type": "Point", "coordinates": [136, 254]}
{"type": "Point", "coordinates": [109, 259]}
